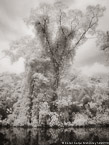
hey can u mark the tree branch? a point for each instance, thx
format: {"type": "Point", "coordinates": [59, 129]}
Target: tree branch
{"type": "Point", "coordinates": [84, 33]}
{"type": "Point", "coordinates": [44, 28]}
{"type": "Point", "coordinates": [60, 21]}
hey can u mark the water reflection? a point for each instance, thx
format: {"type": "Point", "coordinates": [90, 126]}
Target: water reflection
{"type": "Point", "coordinates": [21, 136]}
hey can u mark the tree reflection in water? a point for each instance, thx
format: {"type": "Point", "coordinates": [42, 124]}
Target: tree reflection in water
{"type": "Point", "coordinates": [21, 136]}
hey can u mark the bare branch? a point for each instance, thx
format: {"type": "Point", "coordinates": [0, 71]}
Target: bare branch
{"type": "Point", "coordinates": [60, 21]}
{"type": "Point", "coordinates": [72, 23]}
{"type": "Point", "coordinates": [84, 33]}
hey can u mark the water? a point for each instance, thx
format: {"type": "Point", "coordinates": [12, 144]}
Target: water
{"type": "Point", "coordinates": [33, 136]}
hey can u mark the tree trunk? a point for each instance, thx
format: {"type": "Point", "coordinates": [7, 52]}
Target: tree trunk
{"type": "Point", "coordinates": [56, 82]}
{"type": "Point", "coordinates": [56, 79]}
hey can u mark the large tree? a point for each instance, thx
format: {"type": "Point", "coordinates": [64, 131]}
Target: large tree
{"type": "Point", "coordinates": [59, 31]}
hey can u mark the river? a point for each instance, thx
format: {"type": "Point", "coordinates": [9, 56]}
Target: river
{"type": "Point", "coordinates": [40, 136]}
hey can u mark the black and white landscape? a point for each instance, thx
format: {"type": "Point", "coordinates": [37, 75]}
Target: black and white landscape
{"type": "Point", "coordinates": [54, 72]}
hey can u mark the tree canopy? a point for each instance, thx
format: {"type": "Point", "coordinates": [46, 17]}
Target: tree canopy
{"type": "Point", "coordinates": [59, 31]}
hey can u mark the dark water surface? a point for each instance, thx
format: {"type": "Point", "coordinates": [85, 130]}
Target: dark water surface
{"type": "Point", "coordinates": [33, 136]}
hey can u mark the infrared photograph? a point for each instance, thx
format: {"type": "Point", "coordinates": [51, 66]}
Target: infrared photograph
{"type": "Point", "coordinates": [54, 72]}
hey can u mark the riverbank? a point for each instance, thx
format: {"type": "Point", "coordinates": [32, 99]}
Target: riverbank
{"type": "Point", "coordinates": [81, 120]}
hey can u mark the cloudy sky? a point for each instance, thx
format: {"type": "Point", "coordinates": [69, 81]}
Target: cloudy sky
{"type": "Point", "coordinates": [88, 57]}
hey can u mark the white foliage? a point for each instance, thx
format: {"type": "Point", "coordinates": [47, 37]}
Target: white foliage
{"type": "Point", "coordinates": [80, 120]}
